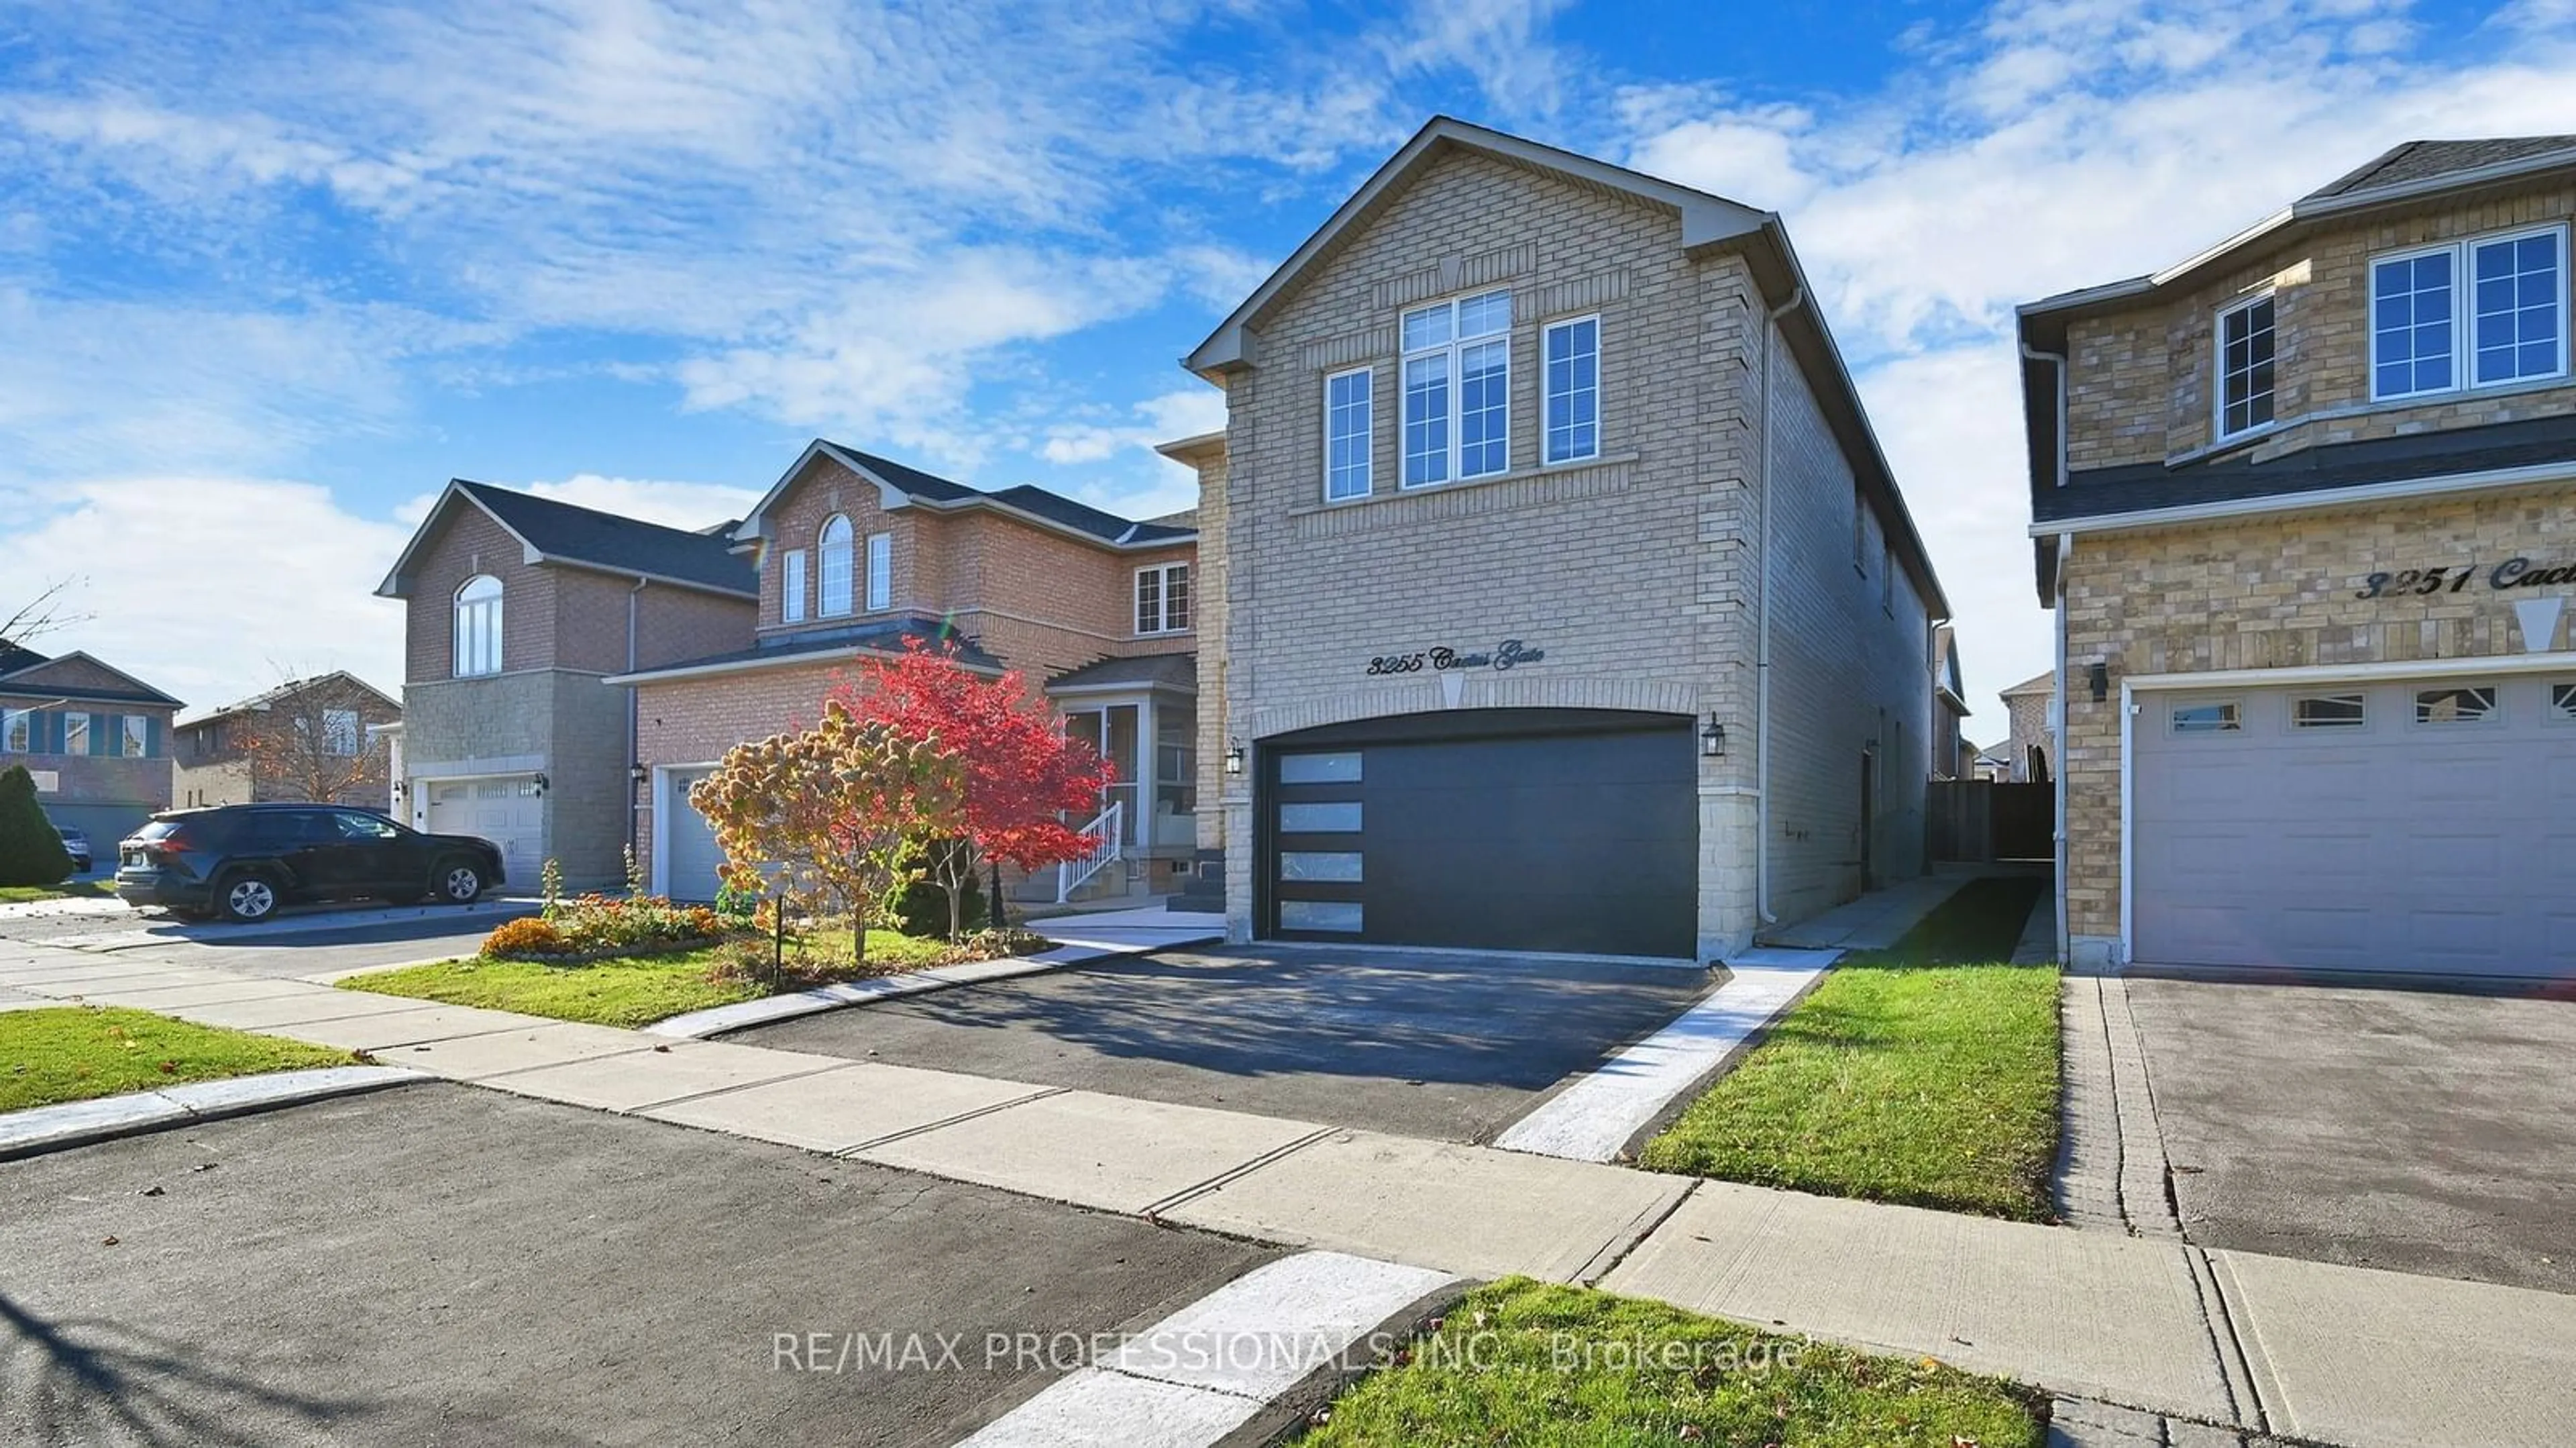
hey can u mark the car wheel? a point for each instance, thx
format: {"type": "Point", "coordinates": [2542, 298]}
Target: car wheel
{"type": "Point", "coordinates": [457, 883]}
{"type": "Point", "coordinates": [246, 899]}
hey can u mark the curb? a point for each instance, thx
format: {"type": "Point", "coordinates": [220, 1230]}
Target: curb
{"type": "Point", "coordinates": [767, 1010]}
{"type": "Point", "coordinates": [166, 932]}
{"type": "Point", "coordinates": [42, 1129]}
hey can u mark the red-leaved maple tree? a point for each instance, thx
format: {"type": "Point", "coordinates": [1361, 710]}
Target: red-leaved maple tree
{"type": "Point", "coordinates": [1022, 773]}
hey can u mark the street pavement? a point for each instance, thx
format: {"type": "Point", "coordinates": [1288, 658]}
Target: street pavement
{"type": "Point", "coordinates": [440, 1264]}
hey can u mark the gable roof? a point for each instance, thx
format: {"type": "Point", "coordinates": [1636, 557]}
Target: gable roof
{"type": "Point", "coordinates": [555, 532]}
{"type": "Point", "coordinates": [1947, 677]}
{"type": "Point", "coordinates": [1707, 224]}
{"type": "Point", "coordinates": [14, 657]}
{"type": "Point", "coordinates": [900, 485]}
{"type": "Point", "coordinates": [337, 678]}
{"type": "Point", "coordinates": [28, 679]}
{"type": "Point", "coordinates": [2421, 161]}
{"type": "Point", "coordinates": [2035, 684]}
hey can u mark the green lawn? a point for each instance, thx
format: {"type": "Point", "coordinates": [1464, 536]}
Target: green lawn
{"type": "Point", "coordinates": [628, 991]}
{"type": "Point", "coordinates": [69, 889]}
{"type": "Point", "coordinates": [1536, 1365]}
{"type": "Point", "coordinates": [1926, 1074]}
{"type": "Point", "coordinates": [72, 1053]}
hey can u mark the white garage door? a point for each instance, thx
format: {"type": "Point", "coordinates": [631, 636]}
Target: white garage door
{"type": "Point", "coordinates": [506, 809]}
{"type": "Point", "coordinates": [690, 858]}
{"type": "Point", "coordinates": [2422, 826]}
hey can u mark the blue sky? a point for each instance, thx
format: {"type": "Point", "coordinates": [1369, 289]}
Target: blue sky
{"type": "Point", "coordinates": [269, 275]}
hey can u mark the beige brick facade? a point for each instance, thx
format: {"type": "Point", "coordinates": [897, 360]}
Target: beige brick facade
{"type": "Point", "coordinates": [2276, 586]}
{"type": "Point", "coordinates": [1637, 572]}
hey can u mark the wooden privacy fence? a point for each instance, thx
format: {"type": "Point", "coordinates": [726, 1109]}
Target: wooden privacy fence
{"type": "Point", "coordinates": [1975, 821]}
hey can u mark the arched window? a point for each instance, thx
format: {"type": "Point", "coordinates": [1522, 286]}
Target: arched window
{"type": "Point", "coordinates": [835, 577]}
{"type": "Point", "coordinates": [478, 626]}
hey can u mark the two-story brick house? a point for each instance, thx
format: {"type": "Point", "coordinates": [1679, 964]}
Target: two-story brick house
{"type": "Point", "coordinates": [96, 738]}
{"type": "Point", "coordinates": [855, 555]}
{"type": "Point", "coordinates": [2305, 508]}
{"type": "Point", "coordinates": [1567, 601]}
{"type": "Point", "coordinates": [519, 609]}
{"type": "Point", "coordinates": [303, 738]}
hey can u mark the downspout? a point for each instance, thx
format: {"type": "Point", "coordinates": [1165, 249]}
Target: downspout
{"type": "Point", "coordinates": [1762, 648]}
{"type": "Point", "coordinates": [2057, 606]}
{"type": "Point", "coordinates": [634, 711]}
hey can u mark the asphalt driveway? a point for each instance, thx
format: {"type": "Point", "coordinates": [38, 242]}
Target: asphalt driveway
{"type": "Point", "coordinates": [438, 1264]}
{"type": "Point", "coordinates": [2412, 1130]}
{"type": "Point", "coordinates": [1452, 1046]}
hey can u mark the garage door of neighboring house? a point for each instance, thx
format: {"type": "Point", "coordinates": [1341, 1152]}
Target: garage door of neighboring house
{"type": "Point", "coordinates": [690, 857]}
{"type": "Point", "coordinates": [1539, 829]}
{"type": "Point", "coordinates": [506, 809]}
{"type": "Point", "coordinates": [2422, 826]}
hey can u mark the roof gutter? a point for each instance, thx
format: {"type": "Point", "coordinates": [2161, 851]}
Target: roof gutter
{"type": "Point", "coordinates": [2314, 500]}
{"type": "Point", "coordinates": [784, 660]}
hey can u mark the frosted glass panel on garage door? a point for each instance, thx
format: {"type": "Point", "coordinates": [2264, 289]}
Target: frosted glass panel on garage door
{"type": "Point", "coordinates": [2433, 839]}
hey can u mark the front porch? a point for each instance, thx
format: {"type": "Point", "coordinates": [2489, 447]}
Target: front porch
{"type": "Point", "coordinates": [1141, 714]}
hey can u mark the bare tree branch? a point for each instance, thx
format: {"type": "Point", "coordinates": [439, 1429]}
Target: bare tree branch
{"type": "Point", "coordinates": [42, 614]}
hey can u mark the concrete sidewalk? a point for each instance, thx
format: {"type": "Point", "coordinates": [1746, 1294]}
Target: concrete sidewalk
{"type": "Point", "coordinates": [1876, 920]}
{"type": "Point", "coordinates": [2268, 1344]}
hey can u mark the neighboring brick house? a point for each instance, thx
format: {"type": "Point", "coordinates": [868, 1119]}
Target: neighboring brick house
{"type": "Point", "coordinates": [857, 554]}
{"type": "Point", "coordinates": [2031, 745]}
{"type": "Point", "coordinates": [1567, 601]}
{"type": "Point", "coordinates": [1953, 757]}
{"type": "Point", "coordinates": [519, 608]}
{"type": "Point", "coordinates": [96, 738]}
{"type": "Point", "coordinates": [2305, 506]}
{"type": "Point", "coordinates": [304, 737]}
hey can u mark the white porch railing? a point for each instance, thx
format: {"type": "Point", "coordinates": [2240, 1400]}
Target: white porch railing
{"type": "Point", "coordinates": [1105, 833]}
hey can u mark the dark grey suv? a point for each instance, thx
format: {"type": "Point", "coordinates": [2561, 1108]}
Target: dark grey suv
{"type": "Point", "coordinates": [244, 861]}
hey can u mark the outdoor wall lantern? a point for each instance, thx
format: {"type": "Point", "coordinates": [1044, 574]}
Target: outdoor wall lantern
{"type": "Point", "coordinates": [540, 782]}
{"type": "Point", "coordinates": [2100, 675]}
{"type": "Point", "coordinates": [1712, 740]}
{"type": "Point", "coordinates": [1234, 756]}
{"type": "Point", "coordinates": [636, 773]}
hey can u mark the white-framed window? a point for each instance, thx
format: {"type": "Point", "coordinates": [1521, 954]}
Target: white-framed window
{"type": "Point", "coordinates": [2245, 359]}
{"type": "Point", "coordinates": [880, 571]}
{"type": "Point", "coordinates": [834, 544]}
{"type": "Point", "coordinates": [75, 734]}
{"type": "Point", "coordinates": [1163, 598]}
{"type": "Point", "coordinates": [1349, 433]}
{"type": "Point", "coordinates": [2330, 711]}
{"type": "Point", "coordinates": [2482, 312]}
{"type": "Point", "coordinates": [341, 732]}
{"type": "Point", "coordinates": [1457, 389]}
{"type": "Point", "coordinates": [791, 586]}
{"type": "Point", "coordinates": [133, 736]}
{"type": "Point", "coordinates": [17, 731]}
{"type": "Point", "coordinates": [2464, 704]}
{"type": "Point", "coordinates": [2224, 716]}
{"type": "Point", "coordinates": [1572, 354]}
{"type": "Point", "coordinates": [478, 627]}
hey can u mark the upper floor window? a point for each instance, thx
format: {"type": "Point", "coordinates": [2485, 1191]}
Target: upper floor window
{"type": "Point", "coordinates": [2245, 366]}
{"type": "Point", "coordinates": [133, 737]}
{"type": "Point", "coordinates": [1349, 433]}
{"type": "Point", "coordinates": [75, 734]}
{"type": "Point", "coordinates": [342, 732]}
{"type": "Point", "coordinates": [836, 567]}
{"type": "Point", "coordinates": [478, 626]}
{"type": "Point", "coordinates": [791, 587]}
{"type": "Point", "coordinates": [1163, 598]}
{"type": "Point", "coordinates": [17, 731]}
{"type": "Point", "coordinates": [2511, 312]}
{"type": "Point", "coordinates": [1457, 386]}
{"type": "Point", "coordinates": [1574, 390]}
{"type": "Point", "coordinates": [880, 570]}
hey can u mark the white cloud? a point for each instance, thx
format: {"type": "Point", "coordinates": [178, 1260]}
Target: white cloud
{"type": "Point", "coordinates": [1170, 417]}
{"type": "Point", "coordinates": [671, 504]}
{"type": "Point", "coordinates": [210, 587]}
{"type": "Point", "coordinates": [2057, 146]}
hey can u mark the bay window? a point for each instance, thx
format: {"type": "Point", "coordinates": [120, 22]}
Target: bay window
{"type": "Point", "coordinates": [2245, 364]}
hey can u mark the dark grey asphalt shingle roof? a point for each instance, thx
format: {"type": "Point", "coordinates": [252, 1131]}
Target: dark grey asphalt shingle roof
{"type": "Point", "coordinates": [2431, 160]}
{"type": "Point", "coordinates": [586, 535]}
{"type": "Point", "coordinates": [1027, 497]}
{"type": "Point", "coordinates": [1180, 671]}
{"type": "Point", "coordinates": [889, 636]}
{"type": "Point", "coordinates": [2139, 487]}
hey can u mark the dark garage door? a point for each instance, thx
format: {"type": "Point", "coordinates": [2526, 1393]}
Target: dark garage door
{"type": "Point", "coordinates": [1517, 829]}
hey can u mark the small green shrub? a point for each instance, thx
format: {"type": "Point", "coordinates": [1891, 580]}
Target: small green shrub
{"type": "Point", "coordinates": [922, 908]}
{"type": "Point", "coordinates": [31, 853]}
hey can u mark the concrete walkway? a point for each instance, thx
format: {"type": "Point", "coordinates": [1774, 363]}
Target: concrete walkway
{"type": "Point", "coordinates": [1876, 920]}
{"type": "Point", "coordinates": [2337, 1354]}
